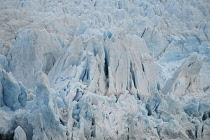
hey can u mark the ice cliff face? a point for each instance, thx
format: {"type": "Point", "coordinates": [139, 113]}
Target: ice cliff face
{"type": "Point", "coordinates": [105, 69]}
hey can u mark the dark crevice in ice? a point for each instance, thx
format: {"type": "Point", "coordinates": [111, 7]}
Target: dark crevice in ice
{"type": "Point", "coordinates": [93, 129]}
{"type": "Point", "coordinates": [143, 67]}
{"type": "Point", "coordinates": [138, 96]}
{"type": "Point", "coordinates": [143, 33]}
{"type": "Point", "coordinates": [106, 66]}
{"type": "Point", "coordinates": [128, 135]}
{"type": "Point", "coordinates": [93, 121]}
{"type": "Point", "coordinates": [190, 134]}
{"type": "Point", "coordinates": [148, 107]}
{"type": "Point", "coordinates": [158, 86]}
{"type": "Point", "coordinates": [205, 116]}
{"type": "Point", "coordinates": [133, 75]}
{"type": "Point", "coordinates": [85, 74]}
{"type": "Point", "coordinates": [6, 136]}
{"type": "Point", "coordinates": [206, 88]}
{"type": "Point", "coordinates": [62, 122]}
{"type": "Point", "coordinates": [196, 131]}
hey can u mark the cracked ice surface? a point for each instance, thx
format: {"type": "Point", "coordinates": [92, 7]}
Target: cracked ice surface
{"type": "Point", "coordinates": [104, 69]}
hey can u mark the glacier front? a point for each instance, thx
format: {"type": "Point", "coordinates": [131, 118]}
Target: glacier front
{"type": "Point", "coordinates": [105, 70]}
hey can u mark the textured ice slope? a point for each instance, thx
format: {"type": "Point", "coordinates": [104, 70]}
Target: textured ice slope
{"type": "Point", "coordinates": [105, 69]}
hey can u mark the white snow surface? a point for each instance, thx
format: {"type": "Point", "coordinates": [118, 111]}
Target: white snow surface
{"type": "Point", "coordinates": [105, 69]}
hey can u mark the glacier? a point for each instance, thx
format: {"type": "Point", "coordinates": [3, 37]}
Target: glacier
{"type": "Point", "coordinates": [105, 69]}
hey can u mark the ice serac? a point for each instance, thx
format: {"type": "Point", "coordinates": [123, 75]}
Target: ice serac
{"type": "Point", "coordinates": [19, 134]}
{"type": "Point", "coordinates": [44, 113]}
{"type": "Point", "coordinates": [108, 63]}
{"type": "Point", "coordinates": [186, 78]}
{"type": "Point", "coordinates": [34, 50]}
{"type": "Point", "coordinates": [105, 69]}
{"type": "Point", "coordinates": [13, 94]}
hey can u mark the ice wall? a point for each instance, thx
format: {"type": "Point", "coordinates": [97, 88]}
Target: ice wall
{"type": "Point", "coordinates": [105, 69]}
